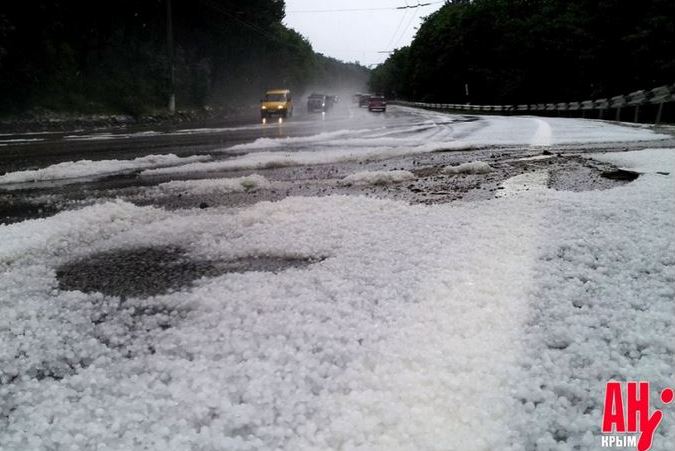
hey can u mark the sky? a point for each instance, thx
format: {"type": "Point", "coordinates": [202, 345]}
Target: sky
{"type": "Point", "coordinates": [360, 35]}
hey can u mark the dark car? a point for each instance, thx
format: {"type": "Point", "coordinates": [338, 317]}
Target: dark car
{"type": "Point", "coordinates": [377, 103]}
{"type": "Point", "coordinates": [316, 103]}
{"type": "Point", "coordinates": [331, 101]}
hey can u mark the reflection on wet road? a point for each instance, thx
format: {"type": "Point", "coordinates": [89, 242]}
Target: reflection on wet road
{"type": "Point", "coordinates": [38, 149]}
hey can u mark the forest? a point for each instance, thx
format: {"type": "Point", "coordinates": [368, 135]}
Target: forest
{"type": "Point", "coordinates": [531, 51]}
{"type": "Point", "coordinates": [93, 57]}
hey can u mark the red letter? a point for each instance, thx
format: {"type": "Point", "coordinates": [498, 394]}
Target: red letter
{"type": "Point", "coordinates": [647, 434]}
{"type": "Point", "coordinates": [637, 405]}
{"type": "Point", "coordinates": [612, 418]}
{"type": "Point", "coordinates": [648, 424]}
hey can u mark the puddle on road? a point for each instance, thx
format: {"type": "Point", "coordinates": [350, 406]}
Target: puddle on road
{"type": "Point", "coordinates": [143, 272]}
{"type": "Point", "coordinates": [621, 174]}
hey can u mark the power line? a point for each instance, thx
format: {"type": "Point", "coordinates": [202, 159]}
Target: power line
{"type": "Point", "coordinates": [391, 8]}
{"type": "Point", "coordinates": [270, 37]}
{"type": "Point", "coordinates": [405, 30]}
{"type": "Point", "coordinates": [418, 5]}
{"type": "Point", "coordinates": [398, 27]}
{"type": "Point", "coordinates": [399, 36]}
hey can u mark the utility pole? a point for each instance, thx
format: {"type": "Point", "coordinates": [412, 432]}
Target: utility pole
{"type": "Point", "coordinates": [172, 69]}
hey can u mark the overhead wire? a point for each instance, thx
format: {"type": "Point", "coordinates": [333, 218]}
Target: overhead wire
{"type": "Point", "coordinates": [398, 27]}
{"type": "Point", "coordinates": [405, 30]}
{"type": "Point", "coordinates": [388, 8]}
{"type": "Point", "coordinates": [264, 33]}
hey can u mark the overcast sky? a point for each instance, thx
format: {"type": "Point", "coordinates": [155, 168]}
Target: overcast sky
{"type": "Point", "coordinates": [357, 35]}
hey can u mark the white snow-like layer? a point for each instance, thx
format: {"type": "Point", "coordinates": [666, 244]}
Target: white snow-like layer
{"type": "Point", "coordinates": [535, 158]}
{"type": "Point", "coordinates": [435, 132]}
{"type": "Point", "coordinates": [378, 177]}
{"type": "Point", "coordinates": [335, 355]}
{"type": "Point", "coordinates": [266, 143]}
{"type": "Point", "coordinates": [472, 167]}
{"type": "Point", "coordinates": [267, 160]}
{"type": "Point", "coordinates": [20, 140]}
{"type": "Point", "coordinates": [544, 134]}
{"type": "Point", "coordinates": [215, 186]}
{"type": "Point", "coordinates": [486, 325]}
{"type": "Point", "coordinates": [528, 181]}
{"type": "Point", "coordinates": [649, 160]}
{"type": "Point", "coordinates": [89, 168]}
{"type": "Point", "coordinates": [110, 136]}
{"type": "Point", "coordinates": [540, 132]}
{"type": "Point", "coordinates": [604, 306]}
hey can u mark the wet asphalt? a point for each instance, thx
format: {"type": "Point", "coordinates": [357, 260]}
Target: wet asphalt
{"type": "Point", "coordinates": [34, 150]}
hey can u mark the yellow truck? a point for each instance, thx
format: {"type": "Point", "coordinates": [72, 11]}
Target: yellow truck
{"type": "Point", "coordinates": [276, 102]}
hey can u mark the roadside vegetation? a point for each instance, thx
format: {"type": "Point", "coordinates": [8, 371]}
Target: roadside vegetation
{"type": "Point", "coordinates": [112, 57]}
{"type": "Point", "coordinates": [530, 51]}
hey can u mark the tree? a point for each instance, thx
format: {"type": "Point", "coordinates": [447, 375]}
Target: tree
{"type": "Point", "coordinates": [78, 55]}
{"type": "Point", "coordinates": [533, 51]}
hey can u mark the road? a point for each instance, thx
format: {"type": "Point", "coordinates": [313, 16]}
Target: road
{"type": "Point", "coordinates": [28, 150]}
{"type": "Point", "coordinates": [408, 280]}
{"type": "Point", "coordinates": [328, 147]}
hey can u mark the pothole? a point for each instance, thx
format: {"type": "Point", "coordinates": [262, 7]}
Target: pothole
{"type": "Point", "coordinates": [580, 174]}
{"type": "Point", "coordinates": [150, 271]}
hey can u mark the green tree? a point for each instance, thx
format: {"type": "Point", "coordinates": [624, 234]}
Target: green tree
{"type": "Point", "coordinates": [78, 55]}
{"type": "Point", "coordinates": [533, 51]}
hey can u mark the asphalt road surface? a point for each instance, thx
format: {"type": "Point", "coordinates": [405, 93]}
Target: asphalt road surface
{"type": "Point", "coordinates": [38, 149]}
{"type": "Point", "coordinates": [396, 137]}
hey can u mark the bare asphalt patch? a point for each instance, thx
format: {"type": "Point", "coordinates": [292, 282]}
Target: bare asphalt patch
{"type": "Point", "coordinates": [571, 172]}
{"type": "Point", "coordinates": [150, 271]}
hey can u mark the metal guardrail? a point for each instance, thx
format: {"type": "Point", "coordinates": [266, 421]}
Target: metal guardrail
{"type": "Point", "coordinates": [657, 96]}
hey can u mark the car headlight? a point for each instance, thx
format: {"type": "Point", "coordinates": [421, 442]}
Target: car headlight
{"type": "Point", "coordinates": [264, 107]}
{"type": "Point", "coordinates": [280, 107]}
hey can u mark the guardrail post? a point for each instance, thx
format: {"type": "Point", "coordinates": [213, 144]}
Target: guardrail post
{"type": "Point", "coordinates": [658, 114]}
{"type": "Point", "coordinates": [636, 99]}
{"type": "Point", "coordinates": [618, 113]}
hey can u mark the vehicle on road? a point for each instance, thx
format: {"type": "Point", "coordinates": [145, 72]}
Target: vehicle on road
{"type": "Point", "coordinates": [331, 101]}
{"type": "Point", "coordinates": [363, 100]}
{"type": "Point", "coordinates": [277, 102]}
{"type": "Point", "coordinates": [377, 103]}
{"type": "Point", "coordinates": [321, 103]}
{"type": "Point", "coordinates": [316, 103]}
